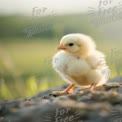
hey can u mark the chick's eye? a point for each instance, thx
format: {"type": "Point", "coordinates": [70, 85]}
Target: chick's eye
{"type": "Point", "coordinates": [71, 44]}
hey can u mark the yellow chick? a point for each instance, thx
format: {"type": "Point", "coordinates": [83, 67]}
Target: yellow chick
{"type": "Point", "coordinates": [79, 63]}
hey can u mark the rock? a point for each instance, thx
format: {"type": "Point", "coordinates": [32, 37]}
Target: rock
{"type": "Point", "coordinates": [103, 104]}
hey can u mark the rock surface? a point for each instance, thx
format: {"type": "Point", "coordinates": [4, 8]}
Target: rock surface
{"type": "Point", "coordinates": [103, 104]}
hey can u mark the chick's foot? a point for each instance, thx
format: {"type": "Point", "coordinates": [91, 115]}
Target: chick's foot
{"type": "Point", "coordinates": [68, 90]}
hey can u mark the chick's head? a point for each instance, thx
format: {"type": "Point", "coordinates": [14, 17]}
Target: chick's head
{"type": "Point", "coordinates": [77, 44]}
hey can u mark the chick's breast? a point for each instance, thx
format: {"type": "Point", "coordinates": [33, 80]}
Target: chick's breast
{"type": "Point", "coordinates": [69, 64]}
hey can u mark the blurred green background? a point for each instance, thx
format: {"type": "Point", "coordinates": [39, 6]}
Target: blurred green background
{"type": "Point", "coordinates": [28, 43]}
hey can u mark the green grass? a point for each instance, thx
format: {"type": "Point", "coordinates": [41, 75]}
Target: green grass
{"type": "Point", "coordinates": [26, 66]}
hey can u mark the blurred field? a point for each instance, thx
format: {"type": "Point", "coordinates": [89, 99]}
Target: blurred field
{"type": "Point", "coordinates": [25, 61]}
{"type": "Point", "coordinates": [26, 68]}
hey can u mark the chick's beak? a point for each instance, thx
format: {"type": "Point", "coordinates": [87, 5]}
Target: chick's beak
{"type": "Point", "coordinates": [61, 47]}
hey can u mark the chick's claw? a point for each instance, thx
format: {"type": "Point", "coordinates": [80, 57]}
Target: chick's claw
{"type": "Point", "coordinates": [57, 93]}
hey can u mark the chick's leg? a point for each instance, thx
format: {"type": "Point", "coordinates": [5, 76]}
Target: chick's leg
{"type": "Point", "coordinates": [92, 86]}
{"type": "Point", "coordinates": [68, 90]}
